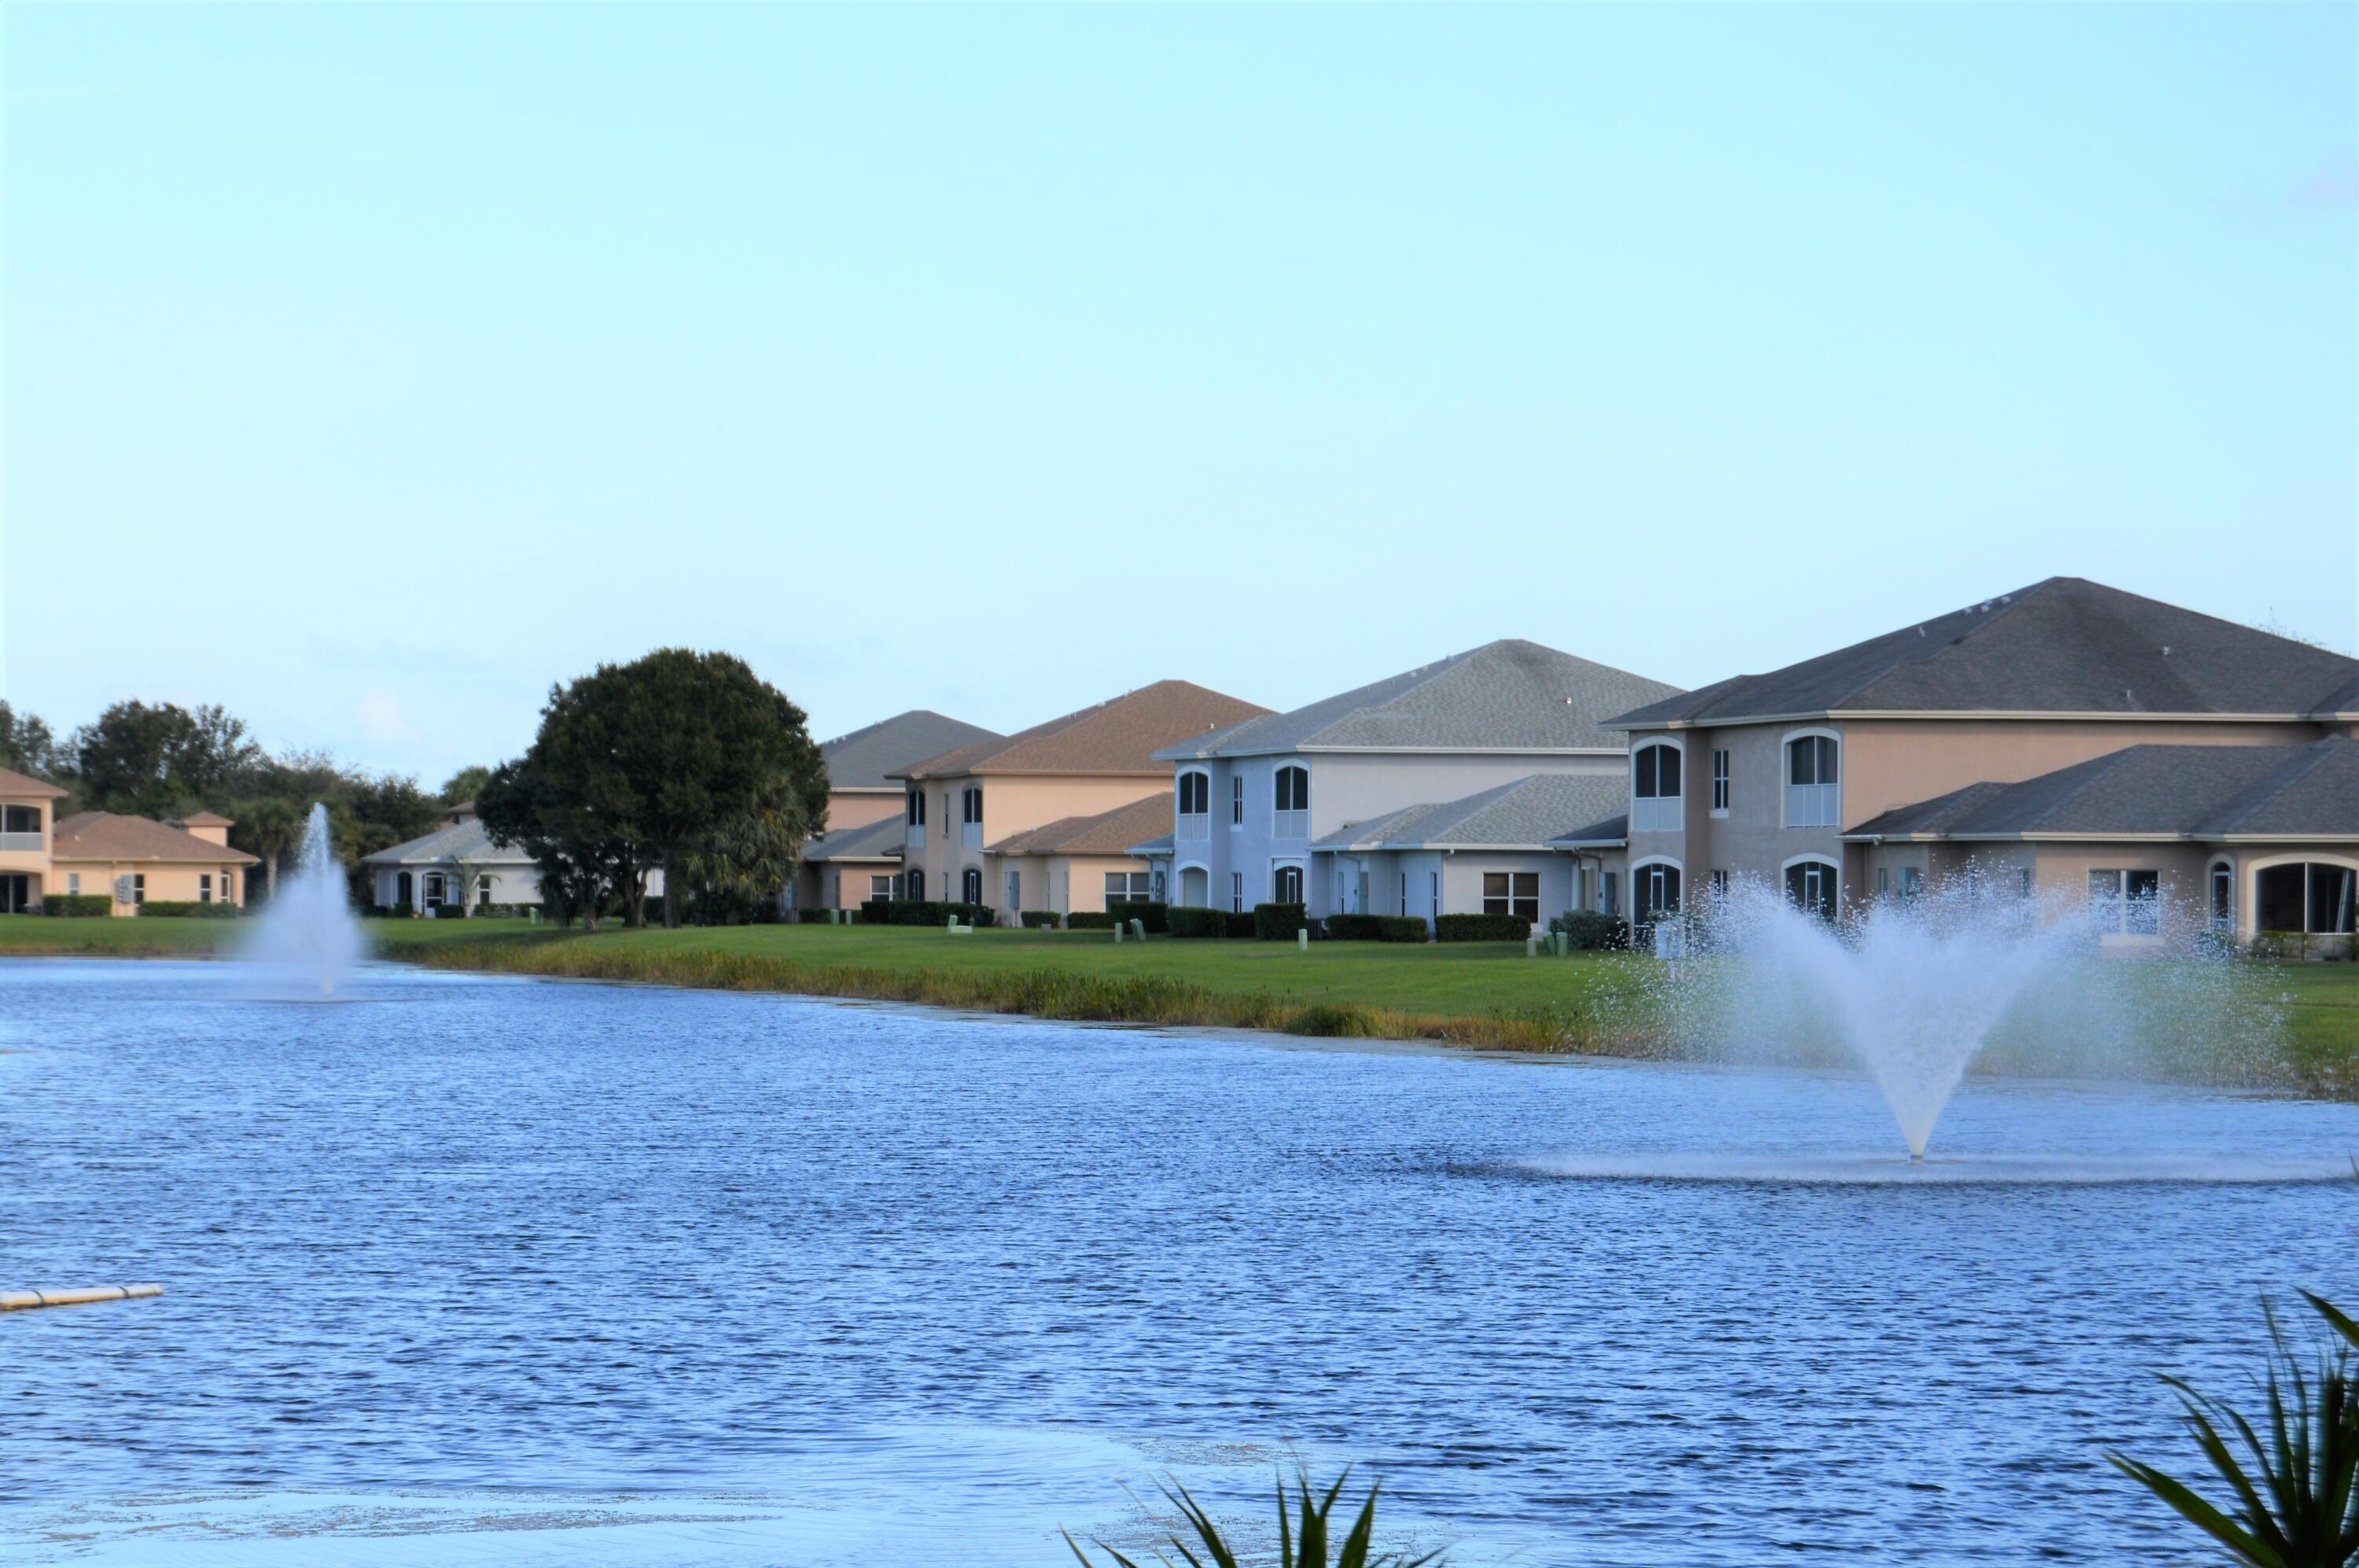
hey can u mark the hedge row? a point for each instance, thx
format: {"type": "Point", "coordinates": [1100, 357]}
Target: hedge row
{"type": "Point", "coordinates": [1482, 928]}
{"type": "Point", "coordinates": [1156, 917]}
{"type": "Point", "coordinates": [1278, 922]}
{"type": "Point", "coordinates": [924, 912]}
{"type": "Point", "coordinates": [1040, 920]}
{"type": "Point", "coordinates": [1089, 919]}
{"type": "Point", "coordinates": [1376, 927]}
{"type": "Point", "coordinates": [1593, 930]}
{"type": "Point", "coordinates": [189, 907]}
{"type": "Point", "coordinates": [75, 906]}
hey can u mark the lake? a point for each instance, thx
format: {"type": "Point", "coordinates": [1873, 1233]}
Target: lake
{"type": "Point", "coordinates": [470, 1269]}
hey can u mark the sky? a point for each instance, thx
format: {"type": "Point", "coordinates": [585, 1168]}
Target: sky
{"type": "Point", "coordinates": [369, 369]}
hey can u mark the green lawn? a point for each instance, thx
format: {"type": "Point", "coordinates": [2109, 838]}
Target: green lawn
{"type": "Point", "coordinates": [1475, 994]}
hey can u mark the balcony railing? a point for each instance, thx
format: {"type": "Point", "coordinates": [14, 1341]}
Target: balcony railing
{"type": "Point", "coordinates": [971, 834]}
{"type": "Point", "coordinates": [20, 843]}
{"type": "Point", "coordinates": [1195, 825]}
{"type": "Point", "coordinates": [1289, 824]}
{"type": "Point", "coordinates": [1655, 813]}
{"type": "Point", "coordinates": [917, 836]}
{"type": "Point", "coordinates": [1814, 805]}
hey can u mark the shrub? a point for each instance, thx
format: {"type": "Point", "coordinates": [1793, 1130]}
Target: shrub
{"type": "Point", "coordinates": [1041, 920]}
{"type": "Point", "coordinates": [1089, 919]}
{"type": "Point", "coordinates": [75, 906]}
{"type": "Point", "coordinates": [188, 907]}
{"type": "Point", "coordinates": [1199, 922]}
{"type": "Point", "coordinates": [1482, 928]}
{"type": "Point", "coordinates": [924, 912]}
{"type": "Point", "coordinates": [1278, 922]}
{"type": "Point", "coordinates": [403, 909]}
{"type": "Point", "coordinates": [1240, 923]}
{"type": "Point", "coordinates": [1157, 917]}
{"type": "Point", "coordinates": [814, 917]}
{"type": "Point", "coordinates": [1591, 930]}
{"type": "Point", "coordinates": [1376, 928]}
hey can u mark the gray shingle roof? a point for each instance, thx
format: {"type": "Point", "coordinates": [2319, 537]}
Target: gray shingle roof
{"type": "Point", "coordinates": [464, 841]}
{"type": "Point", "coordinates": [2064, 645]}
{"type": "Point", "coordinates": [2192, 791]}
{"type": "Point", "coordinates": [1161, 844]}
{"type": "Point", "coordinates": [872, 841]}
{"type": "Point", "coordinates": [1610, 830]}
{"type": "Point", "coordinates": [861, 759]}
{"type": "Point", "coordinates": [1525, 814]}
{"type": "Point", "coordinates": [1509, 695]}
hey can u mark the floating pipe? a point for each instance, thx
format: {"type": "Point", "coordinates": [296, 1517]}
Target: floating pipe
{"type": "Point", "coordinates": [18, 1301]}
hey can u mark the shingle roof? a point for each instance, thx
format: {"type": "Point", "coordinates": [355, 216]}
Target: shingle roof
{"type": "Point", "coordinates": [468, 841]}
{"type": "Point", "coordinates": [1119, 736]}
{"type": "Point", "coordinates": [1525, 814]}
{"type": "Point", "coordinates": [103, 835]}
{"type": "Point", "coordinates": [202, 819]}
{"type": "Point", "coordinates": [1608, 831]}
{"type": "Point", "coordinates": [867, 758]}
{"type": "Point", "coordinates": [2191, 791]}
{"type": "Point", "coordinates": [1161, 843]}
{"type": "Point", "coordinates": [871, 841]}
{"type": "Point", "coordinates": [1509, 695]}
{"type": "Point", "coordinates": [22, 786]}
{"type": "Point", "coordinates": [1108, 833]}
{"type": "Point", "coordinates": [2063, 646]}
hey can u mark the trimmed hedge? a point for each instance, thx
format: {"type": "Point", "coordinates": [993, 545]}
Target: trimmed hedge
{"type": "Point", "coordinates": [1240, 923]}
{"type": "Point", "coordinates": [1482, 928]}
{"type": "Point", "coordinates": [1156, 916]}
{"type": "Point", "coordinates": [75, 906]}
{"type": "Point", "coordinates": [188, 907]}
{"type": "Point", "coordinates": [1041, 920]}
{"type": "Point", "coordinates": [1199, 922]}
{"type": "Point", "coordinates": [1278, 922]}
{"type": "Point", "coordinates": [814, 917]}
{"type": "Point", "coordinates": [1376, 928]}
{"type": "Point", "coordinates": [1591, 930]}
{"type": "Point", "coordinates": [1089, 919]}
{"type": "Point", "coordinates": [924, 912]}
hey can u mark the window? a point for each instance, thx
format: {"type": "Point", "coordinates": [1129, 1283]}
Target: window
{"type": "Point", "coordinates": [881, 888]}
{"type": "Point", "coordinates": [1195, 805]}
{"type": "Point", "coordinates": [1813, 781]}
{"type": "Point", "coordinates": [1720, 783]}
{"type": "Point", "coordinates": [1883, 881]}
{"type": "Point", "coordinates": [1912, 881]}
{"type": "Point", "coordinates": [20, 818]}
{"type": "Point", "coordinates": [1655, 789]}
{"type": "Point", "coordinates": [1236, 892]}
{"type": "Point", "coordinates": [2126, 903]}
{"type": "Point", "coordinates": [971, 885]}
{"type": "Point", "coordinates": [1654, 892]}
{"type": "Point", "coordinates": [434, 889]}
{"type": "Point", "coordinates": [1286, 884]}
{"type": "Point", "coordinates": [1236, 799]}
{"type": "Point", "coordinates": [205, 887]}
{"type": "Point", "coordinates": [483, 889]}
{"type": "Point", "coordinates": [74, 884]}
{"type": "Point", "coordinates": [1125, 886]}
{"type": "Point", "coordinates": [1290, 792]}
{"type": "Point", "coordinates": [401, 888]}
{"type": "Point", "coordinates": [916, 886]}
{"type": "Point", "coordinates": [1608, 901]}
{"type": "Point", "coordinates": [1513, 893]}
{"type": "Point", "coordinates": [1810, 887]}
{"type": "Point", "coordinates": [917, 808]}
{"type": "Point", "coordinates": [1433, 887]}
{"type": "Point", "coordinates": [1404, 892]}
{"type": "Point", "coordinates": [1720, 884]}
{"type": "Point", "coordinates": [139, 886]}
{"type": "Point", "coordinates": [2222, 906]}
{"type": "Point", "coordinates": [971, 804]}
{"type": "Point", "coordinates": [2314, 897]}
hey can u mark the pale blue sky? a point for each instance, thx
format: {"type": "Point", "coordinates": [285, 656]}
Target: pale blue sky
{"type": "Point", "coordinates": [368, 369]}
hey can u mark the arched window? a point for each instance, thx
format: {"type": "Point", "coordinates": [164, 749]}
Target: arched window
{"type": "Point", "coordinates": [1813, 781]}
{"type": "Point", "coordinates": [1287, 886]}
{"type": "Point", "coordinates": [1655, 892]}
{"type": "Point", "coordinates": [1195, 805]}
{"type": "Point", "coordinates": [971, 803]}
{"type": "Point", "coordinates": [971, 885]}
{"type": "Point", "coordinates": [916, 885]}
{"type": "Point", "coordinates": [2220, 896]}
{"type": "Point", "coordinates": [917, 808]}
{"type": "Point", "coordinates": [2311, 896]}
{"type": "Point", "coordinates": [1655, 787]}
{"type": "Point", "coordinates": [1290, 799]}
{"type": "Point", "coordinates": [402, 887]}
{"type": "Point", "coordinates": [1810, 887]}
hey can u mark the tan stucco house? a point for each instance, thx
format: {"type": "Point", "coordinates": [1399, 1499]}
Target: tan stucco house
{"type": "Point", "coordinates": [959, 807]}
{"type": "Point", "coordinates": [136, 860]}
{"type": "Point", "coordinates": [841, 862]}
{"type": "Point", "coordinates": [2064, 737]}
{"type": "Point", "coordinates": [27, 807]}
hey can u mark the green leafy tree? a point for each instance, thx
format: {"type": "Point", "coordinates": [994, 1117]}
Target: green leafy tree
{"type": "Point", "coordinates": [27, 744]}
{"type": "Point", "coordinates": [463, 785]}
{"type": "Point", "coordinates": [582, 864]}
{"type": "Point", "coordinates": [153, 758]}
{"type": "Point", "coordinates": [270, 828]}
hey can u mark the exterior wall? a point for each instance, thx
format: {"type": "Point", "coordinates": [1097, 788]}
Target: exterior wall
{"type": "Point", "coordinates": [1012, 803]}
{"type": "Point", "coordinates": [1403, 882]}
{"type": "Point", "coordinates": [858, 808]}
{"type": "Point", "coordinates": [29, 855]}
{"type": "Point", "coordinates": [1069, 883]}
{"type": "Point", "coordinates": [1346, 786]}
{"type": "Point", "coordinates": [817, 882]}
{"type": "Point", "coordinates": [167, 881]}
{"type": "Point", "coordinates": [510, 884]}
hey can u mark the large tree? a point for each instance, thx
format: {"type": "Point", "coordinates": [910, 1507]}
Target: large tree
{"type": "Point", "coordinates": [582, 864]}
{"type": "Point", "coordinates": [153, 758]}
{"type": "Point", "coordinates": [27, 744]}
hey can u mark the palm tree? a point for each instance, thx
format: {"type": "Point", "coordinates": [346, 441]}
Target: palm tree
{"type": "Point", "coordinates": [269, 828]}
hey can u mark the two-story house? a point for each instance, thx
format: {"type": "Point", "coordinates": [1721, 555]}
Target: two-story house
{"type": "Point", "coordinates": [1390, 799]}
{"type": "Point", "coordinates": [855, 858]}
{"type": "Point", "coordinates": [958, 808]}
{"type": "Point", "coordinates": [26, 808]}
{"type": "Point", "coordinates": [1868, 770]}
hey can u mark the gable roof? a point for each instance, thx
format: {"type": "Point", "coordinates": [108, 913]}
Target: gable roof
{"type": "Point", "coordinates": [871, 841]}
{"type": "Point", "coordinates": [2062, 646]}
{"type": "Point", "coordinates": [1525, 814]}
{"type": "Point", "coordinates": [24, 786]}
{"type": "Point", "coordinates": [1108, 833]}
{"type": "Point", "coordinates": [2154, 792]}
{"type": "Point", "coordinates": [468, 840]}
{"type": "Point", "coordinates": [1509, 695]}
{"type": "Point", "coordinates": [202, 820]}
{"type": "Point", "coordinates": [1606, 832]}
{"type": "Point", "coordinates": [103, 835]}
{"type": "Point", "coordinates": [866, 759]}
{"type": "Point", "coordinates": [1118, 737]}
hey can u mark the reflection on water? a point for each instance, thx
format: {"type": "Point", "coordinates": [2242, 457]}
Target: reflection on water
{"type": "Point", "coordinates": [509, 1272]}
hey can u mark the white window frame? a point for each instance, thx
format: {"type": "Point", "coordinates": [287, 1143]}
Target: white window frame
{"type": "Point", "coordinates": [1290, 822]}
{"type": "Point", "coordinates": [1719, 781]}
{"type": "Point", "coordinates": [1236, 892]}
{"type": "Point", "coordinates": [1193, 825]}
{"type": "Point", "coordinates": [1827, 799]}
{"type": "Point", "coordinates": [2221, 870]}
{"type": "Point", "coordinates": [1512, 897]}
{"type": "Point", "coordinates": [880, 887]}
{"type": "Point", "coordinates": [1236, 800]}
{"type": "Point", "coordinates": [1829, 861]}
{"type": "Point", "coordinates": [1142, 894]}
{"type": "Point", "coordinates": [74, 884]}
{"type": "Point", "coordinates": [1638, 879]}
{"type": "Point", "coordinates": [1657, 812]}
{"type": "Point", "coordinates": [205, 887]}
{"type": "Point", "coordinates": [1279, 868]}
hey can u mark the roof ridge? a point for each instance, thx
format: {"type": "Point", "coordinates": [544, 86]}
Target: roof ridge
{"type": "Point", "coordinates": [2092, 770]}
{"type": "Point", "coordinates": [2274, 782]}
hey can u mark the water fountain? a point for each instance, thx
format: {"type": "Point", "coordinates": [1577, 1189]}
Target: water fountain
{"type": "Point", "coordinates": [308, 939]}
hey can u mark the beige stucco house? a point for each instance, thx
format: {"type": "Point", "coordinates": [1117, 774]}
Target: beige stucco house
{"type": "Point", "coordinates": [136, 860]}
{"type": "Point", "coordinates": [841, 864]}
{"type": "Point", "coordinates": [26, 809]}
{"type": "Point", "coordinates": [959, 807]}
{"type": "Point", "coordinates": [2059, 736]}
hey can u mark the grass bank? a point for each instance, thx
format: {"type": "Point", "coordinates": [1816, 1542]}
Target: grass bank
{"type": "Point", "coordinates": [1484, 995]}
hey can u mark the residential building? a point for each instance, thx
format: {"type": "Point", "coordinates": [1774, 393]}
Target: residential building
{"type": "Point", "coordinates": [27, 807]}
{"type": "Point", "coordinates": [862, 791]}
{"type": "Point", "coordinates": [454, 866]}
{"type": "Point", "coordinates": [137, 860]}
{"type": "Point", "coordinates": [1837, 777]}
{"type": "Point", "coordinates": [1491, 853]}
{"type": "Point", "coordinates": [1077, 863]}
{"type": "Point", "coordinates": [959, 807]}
{"type": "Point", "coordinates": [1270, 809]}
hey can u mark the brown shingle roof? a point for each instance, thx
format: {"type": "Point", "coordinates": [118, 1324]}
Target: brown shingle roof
{"type": "Point", "coordinates": [103, 835]}
{"type": "Point", "coordinates": [19, 785]}
{"type": "Point", "coordinates": [202, 820]}
{"type": "Point", "coordinates": [1117, 738]}
{"type": "Point", "coordinates": [1108, 833]}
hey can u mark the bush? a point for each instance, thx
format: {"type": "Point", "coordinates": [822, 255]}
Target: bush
{"type": "Point", "coordinates": [1591, 930]}
{"type": "Point", "coordinates": [1041, 920]}
{"type": "Point", "coordinates": [1376, 928]}
{"type": "Point", "coordinates": [814, 917]}
{"type": "Point", "coordinates": [188, 907]}
{"type": "Point", "coordinates": [1240, 923]}
{"type": "Point", "coordinates": [75, 906]}
{"type": "Point", "coordinates": [1089, 919]}
{"type": "Point", "coordinates": [1199, 922]}
{"type": "Point", "coordinates": [1157, 917]}
{"type": "Point", "coordinates": [924, 912]}
{"type": "Point", "coordinates": [1278, 922]}
{"type": "Point", "coordinates": [1482, 928]}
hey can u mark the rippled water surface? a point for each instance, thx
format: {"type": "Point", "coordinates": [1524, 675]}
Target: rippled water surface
{"type": "Point", "coordinates": [479, 1270]}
